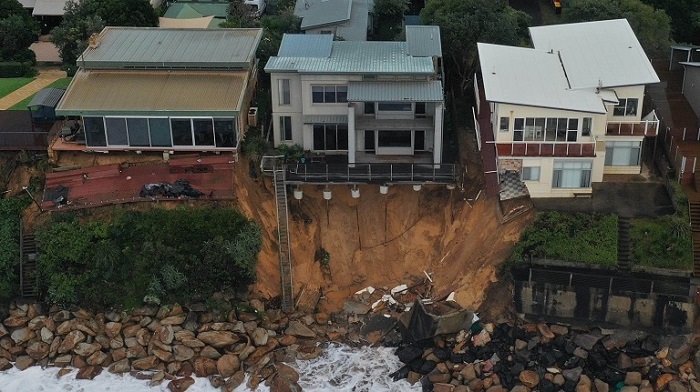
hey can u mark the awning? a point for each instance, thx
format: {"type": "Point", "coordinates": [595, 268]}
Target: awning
{"type": "Point", "coordinates": [328, 119]}
{"type": "Point", "coordinates": [48, 97]}
{"type": "Point", "coordinates": [608, 96]}
{"type": "Point", "coordinates": [149, 91]}
{"type": "Point", "coordinates": [395, 91]}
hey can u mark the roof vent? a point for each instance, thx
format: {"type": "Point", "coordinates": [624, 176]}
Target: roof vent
{"type": "Point", "coordinates": [94, 41]}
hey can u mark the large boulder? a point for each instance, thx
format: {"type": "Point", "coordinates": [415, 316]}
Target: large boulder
{"type": "Point", "coordinates": [174, 320]}
{"type": "Point", "coordinates": [112, 329]}
{"type": "Point", "coordinates": [38, 350]}
{"type": "Point", "coordinates": [298, 329]}
{"type": "Point", "coordinates": [88, 372]}
{"type": "Point", "coordinates": [182, 353]}
{"type": "Point", "coordinates": [218, 339]}
{"type": "Point", "coordinates": [204, 367]}
{"type": "Point", "coordinates": [529, 378]}
{"type": "Point", "coordinates": [180, 384]}
{"type": "Point", "coordinates": [86, 349]}
{"type": "Point", "coordinates": [70, 341]}
{"type": "Point", "coordinates": [147, 363]}
{"type": "Point", "coordinates": [121, 366]}
{"type": "Point", "coordinates": [22, 335]}
{"type": "Point", "coordinates": [228, 365]}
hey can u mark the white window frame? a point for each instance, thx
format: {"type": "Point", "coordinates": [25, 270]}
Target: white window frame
{"type": "Point", "coordinates": [335, 93]}
{"type": "Point", "coordinates": [285, 92]}
{"type": "Point", "coordinates": [556, 185]}
{"type": "Point", "coordinates": [283, 133]}
{"type": "Point", "coordinates": [533, 173]}
{"type": "Point", "coordinates": [623, 103]}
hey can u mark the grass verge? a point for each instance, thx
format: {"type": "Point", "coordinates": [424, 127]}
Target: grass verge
{"type": "Point", "coordinates": [22, 105]}
{"type": "Point", "coordinates": [8, 85]}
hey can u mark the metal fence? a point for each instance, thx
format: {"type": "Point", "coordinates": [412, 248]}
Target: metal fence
{"type": "Point", "coordinates": [371, 173]}
{"type": "Point", "coordinates": [669, 286]}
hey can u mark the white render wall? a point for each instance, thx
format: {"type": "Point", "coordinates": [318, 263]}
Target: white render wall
{"type": "Point", "coordinates": [543, 187]}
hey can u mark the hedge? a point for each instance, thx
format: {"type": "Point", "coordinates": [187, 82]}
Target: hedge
{"type": "Point", "coordinates": [16, 70]}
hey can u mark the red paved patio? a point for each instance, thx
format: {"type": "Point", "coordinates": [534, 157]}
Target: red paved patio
{"type": "Point", "coordinates": [121, 183]}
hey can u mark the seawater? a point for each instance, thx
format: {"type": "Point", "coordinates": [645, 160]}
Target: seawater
{"type": "Point", "coordinates": [339, 368]}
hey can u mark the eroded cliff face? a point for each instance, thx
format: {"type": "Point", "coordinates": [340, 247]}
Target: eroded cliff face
{"type": "Point", "coordinates": [380, 240]}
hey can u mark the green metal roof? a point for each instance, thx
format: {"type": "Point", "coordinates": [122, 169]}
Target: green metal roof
{"type": "Point", "coordinates": [196, 10]}
{"type": "Point", "coordinates": [423, 40]}
{"type": "Point", "coordinates": [348, 57]}
{"type": "Point", "coordinates": [127, 47]}
{"type": "Point", "coordinates": [316, 13]}
{"type": "Point", "coordinates": [355, 29]}
{"type": "Point", "coordinates": [395, 91]}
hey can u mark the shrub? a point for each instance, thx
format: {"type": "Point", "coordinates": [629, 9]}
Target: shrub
{"type": "Point", "coordinates": [577, 237]}
{"type": "Point", "coordinates": [168, 255]}
{"type": "Point", "coordinates": [10, 210]}
{"type": "Point", "coordinates": [16, 70]}
{"type": "Point", "coordinates": [663, 242]}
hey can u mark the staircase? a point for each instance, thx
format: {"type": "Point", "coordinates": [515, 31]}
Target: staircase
{"type": "Point", "coordinates": [283, 237]}
{"type": "Point", "coordinates": [624, 244]}
{"type": "Point", "coordinates": [28, 285]}
{"type": "Point", "coordinates": [695, 231]}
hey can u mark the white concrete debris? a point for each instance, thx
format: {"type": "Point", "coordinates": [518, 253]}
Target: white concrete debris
{"type": "Point", "coordinates": [400, 289]}
{"type": "Point", "coordinates": [368, 289]}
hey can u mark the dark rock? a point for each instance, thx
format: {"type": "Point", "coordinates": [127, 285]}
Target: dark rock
{"type": "Point", "coordinates": [180, 384]}
{"type": "Point", "coordinates": [408, 354]}
{"type": "Point", "coordinates": [88, 372]}
{"type": "Point", "coordinates": [572, 374]}
{"type": "Point", "coordinates": [427, 367]}
{"type": "Point", "coordinates": [586, 341]}
{"type": "Point", "coordinates": [401, 373]}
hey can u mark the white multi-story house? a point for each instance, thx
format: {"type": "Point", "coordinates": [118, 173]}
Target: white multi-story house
{"type": "Point", "coordinates": [569, 110]}
{"type": "Point", "coordinates": [371, 101]}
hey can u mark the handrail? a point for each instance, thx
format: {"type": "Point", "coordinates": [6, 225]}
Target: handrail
{"type": "Point", "coordinates": [443, 173]}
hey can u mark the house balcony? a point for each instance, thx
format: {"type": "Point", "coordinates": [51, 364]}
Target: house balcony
{"type": "Point", "coordinates": [546, 149]}
{"type": "Point", "coordinates": [416, 124]}
{"type": "Point", "coordinates": [648, 126]}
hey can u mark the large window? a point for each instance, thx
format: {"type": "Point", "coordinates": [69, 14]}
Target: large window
{"type": "Point", "coordinates": [286, 128]}
{"type": "Point", "coordinates": [94, 131]}
{"type": "Point", "coordinates": [329, 94]}
{"type": "Point", "coordinates": [203, 129]}
{"type": "Point", "coordinates": [160, 132]}
{"type": "Point", "coordinates": [543, 129]}
{"type": "Point", "coordinates": [285, 95]}
{"type": "Point", "coordinates": [116, 131]}
{"type": "Point", "coordinates": [394, 139]}
{"type": "Point", "coordinates": [330, 137]}
{"type": "Point", "coordinates": [626, 107]}
{"type": "Point", "coordinates": [572, 174]}
{"type": "Point", "coordinates": [225, 132]}
{"type": "Point", "coordinates": [369, 141]}
{"type": "Point", "coordinates": [622, 153]}
{"type": "Point", "coordinates": [182, 131]}
{"type": "Point", "coordinates": [138, 132]}
{"type": "Point", "coordinates": [395, 107]}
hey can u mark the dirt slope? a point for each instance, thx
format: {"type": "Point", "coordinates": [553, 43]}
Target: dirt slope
{"type": "Point", "coordinates": [381, 240]}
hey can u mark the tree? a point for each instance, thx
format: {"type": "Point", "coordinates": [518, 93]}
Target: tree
{"type": "Point", "coordinates": [18, 30]}
{"type": "Point", "coordinates": [463, 23]}
{"type": "Point", "coordinates": [652, 27]}
{"type": "Point", "coordinates": [388, 17]}
{"type": "Point", "coordinates": [685, 18]}
{"type": "Point", "coordinates": [84, 18]}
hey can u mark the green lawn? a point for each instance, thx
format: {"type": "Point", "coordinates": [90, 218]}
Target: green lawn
{"type": "Point", "coordinates": [8, 85]}
{"type": "Point", "coordinates": [22, 105]}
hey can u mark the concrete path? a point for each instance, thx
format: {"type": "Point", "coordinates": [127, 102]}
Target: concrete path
{"type": "Point", "coordinates": [46, 77]}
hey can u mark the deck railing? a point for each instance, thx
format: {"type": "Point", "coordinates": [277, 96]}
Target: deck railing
{"type": "Point", "coordinates": [632, 128]}
{"type": "Point", "coordinates": [546, 149]}
{"type": "Point", "coordinates": [411, 173]}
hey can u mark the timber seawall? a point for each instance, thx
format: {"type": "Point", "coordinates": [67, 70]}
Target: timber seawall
{"type": "Point", "coordinates": [571, 292]}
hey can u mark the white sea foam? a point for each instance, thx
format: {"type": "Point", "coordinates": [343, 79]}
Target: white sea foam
{"type": "Point", "coordinates": [339, 369]}
{"type": "Point", "coordinates": [344, 369]}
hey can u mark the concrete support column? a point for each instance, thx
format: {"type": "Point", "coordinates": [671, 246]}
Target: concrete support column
{"type": "Point", "coordinates": [437, 141]}
{"type": "Point", "coordinates": [351, 134]}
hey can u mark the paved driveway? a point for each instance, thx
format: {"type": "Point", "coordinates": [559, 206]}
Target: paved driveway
{"type": "Point", "coordinates": [631, 199]}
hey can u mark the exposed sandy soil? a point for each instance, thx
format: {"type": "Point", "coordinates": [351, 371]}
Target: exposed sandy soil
{"type": "Point", "coordinates": [383, 240]}
{"type": "Point", "coordinates": [378, 240]}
